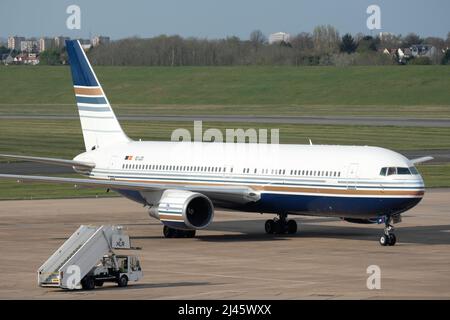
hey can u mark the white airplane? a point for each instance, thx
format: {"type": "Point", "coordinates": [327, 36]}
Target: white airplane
{"type": "Point", "coordinates": [182, 182]}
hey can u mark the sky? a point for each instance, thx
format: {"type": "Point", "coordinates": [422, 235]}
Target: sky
{"type": "Point", "coordinates": [219, 18]}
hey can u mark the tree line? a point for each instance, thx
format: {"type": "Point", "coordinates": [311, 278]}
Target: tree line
{"type": "Point", "coordinates": [324, 46]}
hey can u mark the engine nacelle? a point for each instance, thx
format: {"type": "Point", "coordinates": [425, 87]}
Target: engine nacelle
{"type": "Point", "coordinates": [183, 210]}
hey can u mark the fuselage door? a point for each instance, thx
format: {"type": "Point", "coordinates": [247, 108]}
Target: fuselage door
{"type": "Point", "coordinates": [114, 162]}
{"type": "Point", "coordinates": [228, 173]}
{"type": "Point", "coordinates": [352, 176]}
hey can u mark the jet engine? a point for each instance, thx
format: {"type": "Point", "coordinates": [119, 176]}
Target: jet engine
{"type": "Point", "coordinates": [183, 210]}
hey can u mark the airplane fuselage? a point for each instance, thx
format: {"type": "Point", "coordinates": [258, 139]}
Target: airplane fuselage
{"type": "Point", "coordinates": [346, 181]}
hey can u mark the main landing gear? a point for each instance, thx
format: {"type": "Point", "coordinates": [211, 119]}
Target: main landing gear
{"type": "Point", "coordinates": [388, 238]}
{"type": "Point", "coordinates": [176, 233]}
{"type": "Point", "coordinates": [281, 225]}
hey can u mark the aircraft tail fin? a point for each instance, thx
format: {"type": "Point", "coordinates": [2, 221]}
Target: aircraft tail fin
{"type": "Point", "coordinates": [98, 122]}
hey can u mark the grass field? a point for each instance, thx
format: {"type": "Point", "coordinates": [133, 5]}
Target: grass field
{"type": "Point", "coordinates": [413, 92]}
{"type": "Point", "coordinates": [11, 190]}
{"type": "Point", "coordinates": [381, 91]}
{"type": "Point", "coordinates": [65, 139]}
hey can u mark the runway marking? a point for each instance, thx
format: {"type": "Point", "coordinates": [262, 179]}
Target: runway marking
{"type": "Point", "coordinates": [236, 277]}
{"type": "Point", "coordinates": [232, 292]}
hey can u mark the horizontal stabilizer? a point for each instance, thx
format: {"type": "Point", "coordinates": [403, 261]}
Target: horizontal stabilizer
{"type": "Point", "coordinates": [422, 159]}
{"type": "Point", "coordinates": [244, 192]}
{"type": "Point", "coordinates": [58, 162]}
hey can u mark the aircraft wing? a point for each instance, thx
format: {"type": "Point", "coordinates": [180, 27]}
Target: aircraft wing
{"type": "Point", "coordinates": [422, 159]}
{"type": "Point", "coordinates": [228, 191]}
{"type": "Point", "coordinates": [55, 161]}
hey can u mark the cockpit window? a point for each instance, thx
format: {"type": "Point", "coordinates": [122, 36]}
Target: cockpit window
{"type": "Point", "coordinates": [413, 170]}
{"type": "Point", "coordinates": [389, 171]}
{"type": "Point", "coordinates": [403, 171]}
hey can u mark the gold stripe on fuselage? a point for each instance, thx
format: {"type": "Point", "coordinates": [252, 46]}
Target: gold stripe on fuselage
{"type": "Point", "coordinates": [415, 193]}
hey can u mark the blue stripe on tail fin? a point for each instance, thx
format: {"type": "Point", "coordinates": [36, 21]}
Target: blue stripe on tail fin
{"type": "Point", "coordinates": [82, 74]}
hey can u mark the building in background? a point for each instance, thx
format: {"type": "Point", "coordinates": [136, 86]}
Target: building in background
{"type": "Point", "coordinates": [98, 40]}
{"type": "Point", "coordinates": [423, 50]}
{"type": "Point", "coordinates": [26, 58]}
{"type": "Point", "coordinates": [46, 44]}
{"type": "Point", "coordinates": [279, 37]}
{"type": "Point", "coordinates": [85, 44]}
{"type": "Point", "coordinates": [31, 45]}
{"type": "Point", "coordinates": [60, 42]}
{"type": "Point", "coordinates": [14, 42]}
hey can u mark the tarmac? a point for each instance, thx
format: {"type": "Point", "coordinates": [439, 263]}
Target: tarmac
{"type": "Point", "coordinates": [234, 258]}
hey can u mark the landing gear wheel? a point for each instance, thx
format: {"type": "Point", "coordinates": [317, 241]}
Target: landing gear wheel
{"type": "Point", "coordinates": [392, 239]}
{"type": "Point", "coordinates": [388, 238]}
{"type": "Point", "coordinates": [99, 283]}
{"type": "Point", "coordinates": [270, 226]}
{"type": "Point", "coordinates": [186, 233]}
{"type": "Point", "coordinates": [88, 283]}
{"type": "Point", "coordinates": [291, 227]}
{"type": "Point", "coordinates": [169, 232]}
{"type": "Point", "coordinates": [175, 233]}
{"type": "Point", "coordinates": [384, 240]}
{"type": "Point", "coordinates": [123, 281]}
{"type": "Point", "coordinates": [191, 234]}
{"type": "Point", "coordinates": [280, 225]}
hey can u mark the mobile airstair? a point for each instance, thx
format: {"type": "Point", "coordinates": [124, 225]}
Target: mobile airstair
{"type": "Point", "coordinates": [75, 264]}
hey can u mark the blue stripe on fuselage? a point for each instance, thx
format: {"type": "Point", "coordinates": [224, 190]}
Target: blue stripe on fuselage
{"type": "Point", "coordinates": [357, 207]}
{"type": "Point", "coordinates": [349, 207]}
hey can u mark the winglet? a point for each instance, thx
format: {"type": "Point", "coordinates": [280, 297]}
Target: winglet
{"type": "Point", "coordinates": [421, 159]}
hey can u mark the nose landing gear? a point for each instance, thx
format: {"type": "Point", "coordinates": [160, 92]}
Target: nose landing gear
{"type": "Point", "coordinates": [281, 225]}
{"type": "Point", "coordinates": [388, 238]}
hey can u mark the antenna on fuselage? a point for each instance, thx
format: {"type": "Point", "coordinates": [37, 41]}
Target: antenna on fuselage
{"type": "Point", "coordinates": [310, 142]}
